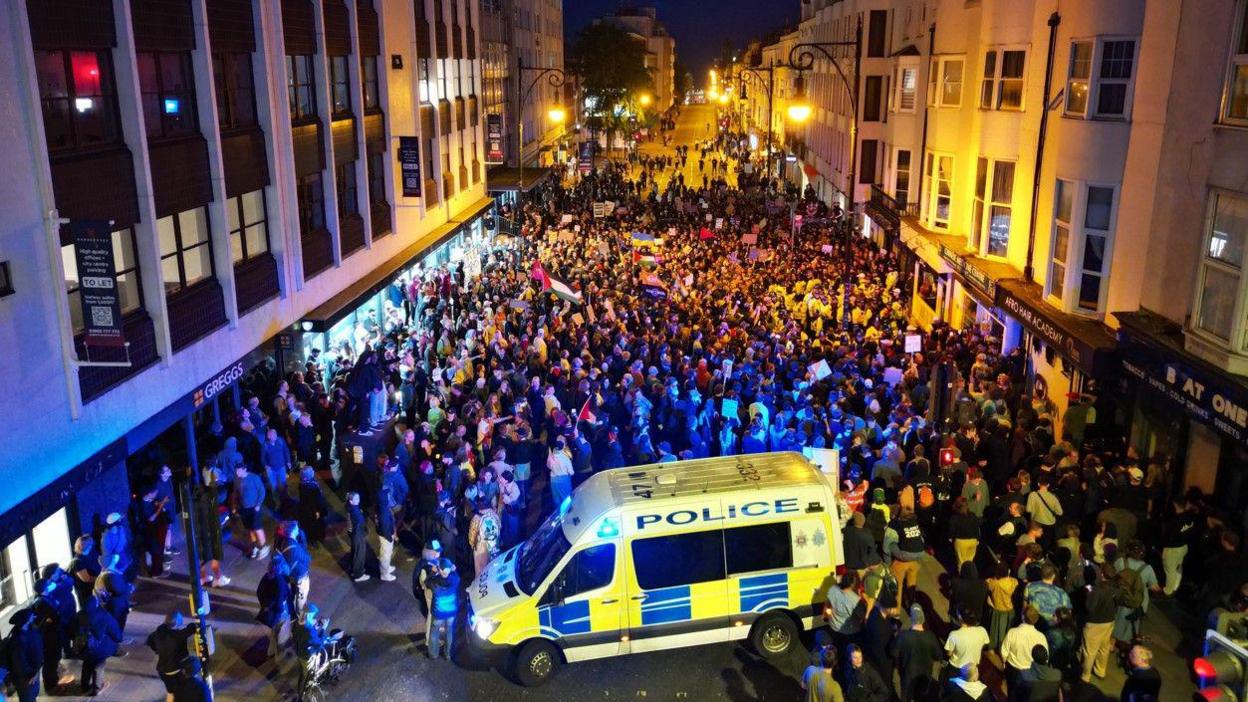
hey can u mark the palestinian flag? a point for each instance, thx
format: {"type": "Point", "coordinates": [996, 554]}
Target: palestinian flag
{"type": "Point", "coordinates": [553, 284]}
{"type": "Point", "coordinates": [586, 414]}
{"type": "Point", "coordinates": [646, 260]}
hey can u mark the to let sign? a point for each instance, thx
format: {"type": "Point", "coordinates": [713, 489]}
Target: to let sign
{"type": "Point", "coordinates": [493, 139]}
{"type": "Point", "coordinates": [409, 165]}
{"type": "Point", "coordinates": [97, 281]}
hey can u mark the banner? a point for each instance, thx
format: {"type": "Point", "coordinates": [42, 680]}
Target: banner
{"type": "Point", "coordinates": [493, 139]}
{"type": "Point", "coordinates": [409, 165]}
{"type": "Point", "coordinates": [97, 281]}
{"type": "Point", "coordinates": [586, 160]}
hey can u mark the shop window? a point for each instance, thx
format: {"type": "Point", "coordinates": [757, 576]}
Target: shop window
{"type": "Point", "coordinates": [311, 203]}
{"type": "Point", "coordinates": [302, 93]}
{"type": "Point", "coordinates": [1083, 224]}
{"type": "Point", "coordinates": [992, 207]}
{"type": "Point", "coordinates": [125, 266]}
{"type": "Point", "coordinates": [1002, 85]}
{"type": "Point", "coordinates": [339, 86]}
{"type": "Point", "coordinates": [167, 84]}
{"type": "Point", "coordinates": [248, 225]}
{"type": "Point", "coordinates": [185, 249]}
{"type": "Point", "coordinates": [944, 82]}
{"type": "Point", "coordinates": [1099, 82]}
{"type": "Point", "coordinates": [79, 103]}
{"type": "Point", "coordinates": [1221, 282]}
{"type": "Point", "coordinates": [1235, 95]}
{"type": "Point", "coordinates": [236, 95]}
{"type": "Point", "coordinates": [372, 89]}
{"type": "Point", "coordinates": [938, 172]}
{"type": "Point", "coordinates": [348, 202]}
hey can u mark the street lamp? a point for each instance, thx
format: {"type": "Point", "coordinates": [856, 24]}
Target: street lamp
{"type": "Point", "coordinates": [802, 58]}
{"type": "Point", "coordinates": [723, 98]}
{"type": "Point", "coordinates": [713, 93]}
{"type": "Point", "coordinates": [644, 100]}
{"type": "Point", "coordinates": [770, 85]}
{"type": "Point", "coordinates": [555, 78]}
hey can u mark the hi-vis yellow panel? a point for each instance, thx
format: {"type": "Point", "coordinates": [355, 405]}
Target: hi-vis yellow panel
{"type": "Point", "coordinates": [709, 600]}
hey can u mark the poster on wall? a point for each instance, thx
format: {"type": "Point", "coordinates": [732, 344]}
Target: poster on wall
{"type": "Point", "coordinates": [409, 165]}
{"type": "Point", "coordinates": [97, 281]}
{"type": "Point", "coordinates": [493, 139]}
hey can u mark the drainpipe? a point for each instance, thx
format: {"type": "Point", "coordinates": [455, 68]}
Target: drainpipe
{"type": "Point", "coordinates": [931, 49]}
{"type": "Point", "coordinates": [1029, 269]}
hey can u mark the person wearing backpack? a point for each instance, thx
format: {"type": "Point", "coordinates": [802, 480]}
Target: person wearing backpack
{"type": "Point", "coordinates": [1136, 580]}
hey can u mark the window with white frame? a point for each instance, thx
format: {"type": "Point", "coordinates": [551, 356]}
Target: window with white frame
{"type": "Point", "coordinates": [1001, 87]}
{"type": "Point", "coordinates": [1083, 224]}
{"type": "Point", "coordinates": [944, 82]}
{"type": "Point", "coordinates": [1219, 289]}
{"type": "Point", "coordinates": [907, 87]}
{"type": "Point", "coordinates": [1235, 101]}
{"type": "Point", "coordinates": [992, 209]}
{"type": "Point", "coordinates": [938, 171]}
{"type": "Point", "coordinates": [1099, 82]}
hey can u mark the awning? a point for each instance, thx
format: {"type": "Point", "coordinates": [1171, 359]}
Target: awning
{"type": "Point", "coordinates": [475, 210]}
{"type": "Point", "coordinates": [1085, 342]}
{"type": "Point", "coordinates": [344, 303]}
{"type": "Point", "coordinates": [498, 180]}
{"type": "Point", "coordinates": [1155, 358]}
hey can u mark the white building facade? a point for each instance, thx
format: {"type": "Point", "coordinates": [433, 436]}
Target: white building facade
{"type": "Point", "coordinates": [246, 157]}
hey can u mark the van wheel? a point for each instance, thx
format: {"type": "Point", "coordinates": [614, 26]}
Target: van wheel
{"type": "Point", "coordinates": [535, 663]}
{"type": "Point", "coordinates": [773, 635]}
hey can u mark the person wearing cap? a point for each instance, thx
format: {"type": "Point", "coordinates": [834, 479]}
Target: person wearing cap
{"type": "Point", "coordinates": [115, 545]}
{"type": "Point", "coordinates": [423, 576]}
{"type": "Point", "coordinates": [445, 607]}
{"type": "Point", "coordinates": [917, 652]}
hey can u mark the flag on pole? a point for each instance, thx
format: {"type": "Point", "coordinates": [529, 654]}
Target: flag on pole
{"type": "Point", "coordinates": [553, 284]}
{"type": "Point", "coordinates": [651, 285]}
{"type": "Point", "coordinates": [705, 234]}
{"type": "Point", "coordinates": [586, 414]}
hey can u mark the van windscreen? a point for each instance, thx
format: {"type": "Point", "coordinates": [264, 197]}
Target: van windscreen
{"type": "Point", "coordinates": [539, 555]}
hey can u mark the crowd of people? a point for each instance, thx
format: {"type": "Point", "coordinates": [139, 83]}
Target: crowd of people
{"type": "Point", "coordinates": [694, 321]}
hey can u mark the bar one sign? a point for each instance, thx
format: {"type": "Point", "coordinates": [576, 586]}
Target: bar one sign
{"type": "Point", "coordinates": [1224, 408]}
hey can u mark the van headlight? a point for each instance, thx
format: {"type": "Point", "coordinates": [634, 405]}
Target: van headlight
{"type": "Point", "coordinates": [484, 627]}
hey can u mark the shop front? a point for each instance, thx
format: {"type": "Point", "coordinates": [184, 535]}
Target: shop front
{"type": "Point", "coordinates": [41, 529]}
{"type": "Point", "coordinates": [341, 325]}
{"type": "Point", "coordinates": [972, 300]}
{"type": "Point", "coordinates": [1185, 410]}
{"type": "Point", "coordinates": [1070, 359]}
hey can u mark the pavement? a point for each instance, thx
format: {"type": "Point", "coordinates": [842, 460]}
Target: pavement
{"type": "Point", "coordinates": [383, 617]}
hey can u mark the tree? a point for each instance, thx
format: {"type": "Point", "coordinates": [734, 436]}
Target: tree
{"type": "Point", "coordinates": [681, 81]}
{"type": "Point", "coordinates": [611, 66]}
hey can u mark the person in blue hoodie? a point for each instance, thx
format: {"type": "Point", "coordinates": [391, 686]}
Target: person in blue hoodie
{"type": "Point", "coordinates": [249, 494]}
{"type": "Point", "coordinates": [275, 457]}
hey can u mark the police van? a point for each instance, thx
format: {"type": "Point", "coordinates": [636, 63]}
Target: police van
{"type": "Point", "coordinates": [667, 555]}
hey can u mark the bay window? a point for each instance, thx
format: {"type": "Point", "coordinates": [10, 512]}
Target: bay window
{"type": "Point", "coordinates": [1235, 99]}
{"type": "Point", "coordinates": [992, 208]}
{"type": "Point", "coordinates": [1099, 80]}
{"type": "Point", "coordinates": [944, 82]}
{"type": "Point", "coordinates": [1219, 288]}
{"type": "Point", "coordinates": [1002, 85]}
{"type": "Point", "coordinates": [1082, 234]}
{"type": "Point", "coordinates": [185, 249]}
{"type": "Point", "coordinates": [248, 225]}
{"type": "Point", "coordinates": [938, 174]}
{"type": "Point", "coordinates": [78, 99]}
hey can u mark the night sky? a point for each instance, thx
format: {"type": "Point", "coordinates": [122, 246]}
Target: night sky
{"type": "Point", "coordinates": [699, 26]}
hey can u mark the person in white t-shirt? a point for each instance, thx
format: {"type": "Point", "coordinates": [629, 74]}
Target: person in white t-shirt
{"type": "Point", "coordinates": [966, 643]}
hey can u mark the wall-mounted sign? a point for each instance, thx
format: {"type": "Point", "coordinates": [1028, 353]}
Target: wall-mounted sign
{"type": "Point", "coordinates": [586, 160]}
{"type": "Point", "coordinates": [981, 281]}
{"type": "Point", "coordinates": [97, 282]}
{"type": "Point", "coordinates": [494, 139]}
{"type": "Point", "coordinates": [409, 165]}
{"type": "Point", "coordinates": [1212, 399]}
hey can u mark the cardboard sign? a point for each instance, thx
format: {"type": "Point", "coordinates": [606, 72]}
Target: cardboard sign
{"type": "Point", "coordinates": [826, 248]}
{"type": "Point", "coordinates": [600, 210]}
{"type": "Point", "coordinates": [578, 319]}
{"type": "Point", "coordinates": [729, 408]}
{"type": "Point", "coordinates": [914, 343]}
{"type": "Point", "coordinates": [719, 223]}
{"type": "Point", "coordinates": [603, 249]}
{"type": "Point", "coordinates": [566, 219]}
{"type": "Point", "coordinates": [750, 238]}
{"type": "Point", "coordinates": [820, 370]}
